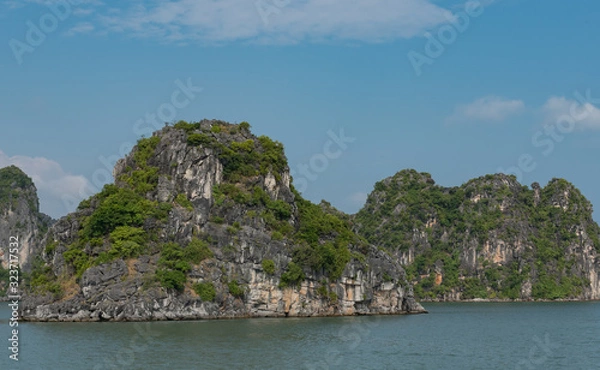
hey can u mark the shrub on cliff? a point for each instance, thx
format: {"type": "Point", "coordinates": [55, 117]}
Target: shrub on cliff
{"type": "Point", "coordinates": [245, 126]}
{"type": "Point", "coordinates": [4, 280]}
{"type": "Point", "coordinates": [268, 266]}
{"type": "Point", "coordinates": [197, 251]}
{"type": "Point", "coordinates": [42, 280]}
{"type": "Point", "coordinates": [293, 276]}
{"type": "Point", "coordinates": [183, 201]}
{"type": "Point", "coordinates": [12, 180]}
{"type": "Point", "coordinates": [206, 291]}
{"type": "Point", "coordinates": [171, 279]}
{"type": "Point", "coordinates": [235, 289]}
{"type": "Point", "coordinates": [120, 207]}
{"type": "Point", "coordinates": [127, 241]}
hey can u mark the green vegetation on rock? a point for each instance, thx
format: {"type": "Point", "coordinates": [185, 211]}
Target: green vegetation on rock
{"type": "Point", "coordinates": [448, 230]}
{"type": "Point", "coordinates": [4, 281]}
{"type": "Point", "coordinates": [409, 211]}
{"type": "Point", "coordinates": [206, 291]}
{"type": "Point", "coordinates": [145, 177]}
{"type": "Point", "coordinates": [13, 182]}
{"type": "Point", "coordinates": [173, 267]}
{"type": "Point", "coordinates": [292, 277]}
{"type": "Point", "coordinates": [171, 279]}
{"type": "Point", "coordinates": [120, 207]}
{"type": "Point", "coordinates": [268, 266]}
{"type": "Point", "coordinates": [42, 280]}
{"type": "Point", "coordinates": [248, 157]}
{"type": "Point", "coordinates": [127, 241]}
{"type": "Point", "coordinates": [197, 251]}
{"type": "Point", "coordinates": [235, 289]}
{"type": "Point", "coordinates": [183, 201]}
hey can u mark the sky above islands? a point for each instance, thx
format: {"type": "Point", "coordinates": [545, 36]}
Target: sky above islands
{"type": "Point", "coordinates": [356, 91]}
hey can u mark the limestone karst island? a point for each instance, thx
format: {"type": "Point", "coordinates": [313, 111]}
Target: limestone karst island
{"type": "Point", "coordinates": [203, 222]}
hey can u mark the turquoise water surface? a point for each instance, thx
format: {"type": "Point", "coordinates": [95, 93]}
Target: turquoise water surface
{"type": "Point", "coordinates": [452, 336]}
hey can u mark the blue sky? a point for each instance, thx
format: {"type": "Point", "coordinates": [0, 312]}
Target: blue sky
{"type": "Point", "coordinates": [455, 89]}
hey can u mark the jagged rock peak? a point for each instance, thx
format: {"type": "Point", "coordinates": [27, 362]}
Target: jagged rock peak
{"type": "Point", "coordinates": [408, 176]}
{"type": "Point", "coordinates": [19, 215]}
{"type": "Point", "coordinates": [14, 186]}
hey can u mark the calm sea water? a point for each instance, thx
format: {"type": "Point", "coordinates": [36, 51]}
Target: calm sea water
{"type": "Point", "coordinates": [453, 336]}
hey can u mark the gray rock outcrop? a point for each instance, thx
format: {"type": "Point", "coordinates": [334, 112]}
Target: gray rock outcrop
{"type": "Point", "coordinates": [219, 188]}
{"type": "Point", "coordinates": [20, 216]}
{"type": "Point", "coordinates": [491, 238]}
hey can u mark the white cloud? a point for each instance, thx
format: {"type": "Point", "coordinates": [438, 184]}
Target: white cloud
{"type": "Point", "coordinates": [313, 20]}
{"type": "Point", "coordinates": [81, 27]}
{"type": "Point", "coordinates": [489, 108]}
{"type": "Point", "coordinates": [264, 21]}
{"type": "Point", "coordinates": [52, 182]}
{"type": "Point", "coordinates": [14, 4]}
{"type": "Point", "coordinates": [82, 12]}
{"type": "Point", "coordinates": [586, 116]}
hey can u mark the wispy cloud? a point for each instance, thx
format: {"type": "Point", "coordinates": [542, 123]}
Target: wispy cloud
{"type": "Point", "coordinates": [486, 109]}
{"type": "Point", "coordinates": [15, 4]}
{"type": "Point", "coordinates": [82, 12]}
{"type": "Point", "coordinates": [263, 21]}
{"type": "Point", "coordinates": [586, 116]}
{"type": "Point", "coordinates": [81, 27]}
{"type": "Point", "coordinates": [51, 180]}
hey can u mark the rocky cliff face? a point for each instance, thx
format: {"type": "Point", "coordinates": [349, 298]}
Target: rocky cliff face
{"type": "Point", "coordinates": [203, 222]}
{"type": "Point", "coordinates": [489, 238]}
{"type": "Point", "coordinates": [20, 216]}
